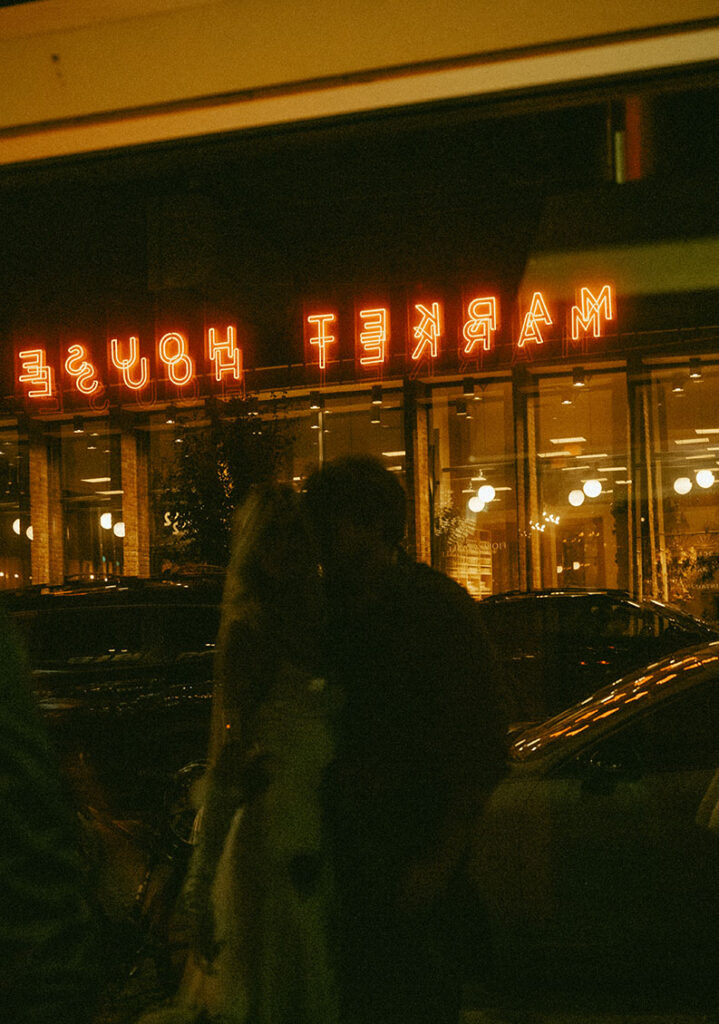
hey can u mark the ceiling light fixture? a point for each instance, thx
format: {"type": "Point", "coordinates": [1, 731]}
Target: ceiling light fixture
{"type": "Point", "coordinates": [695, 368]}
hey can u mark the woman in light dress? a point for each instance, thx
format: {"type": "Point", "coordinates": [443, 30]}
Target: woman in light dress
{"type": "Point", "coordinates": [259, 896]}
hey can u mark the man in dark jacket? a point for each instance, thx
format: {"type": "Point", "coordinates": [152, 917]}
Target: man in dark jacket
{"type": "Point", "coordinates": [48, 941]}
{"type": "Point", "coordinates": [420, 748]}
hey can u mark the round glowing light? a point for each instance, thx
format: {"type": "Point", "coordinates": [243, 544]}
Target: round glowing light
{"type": "Point", "coordinates": [106, 520]}
{"type": "Point", "coordinates": [16, 526]}
{"type": "Point", "coordinates": [682, 485]}
{"type": "Point", "coordinates": [592, 488]}
{"type": "Point", "coordinates": [576, 498]}
{"type": "Point", "coordinates": [705, 478]}
{"type": "Point", "coordinates": [475, 503]}
{"type": "Point", "coordinates": [29, 533]}
{"type": "Point", "coordinates": [486, 493]}
{"type": "Point", "coordinates": [119, 529]}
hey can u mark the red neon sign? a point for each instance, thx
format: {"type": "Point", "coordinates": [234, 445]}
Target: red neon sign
{"type": "Point", "coordinates": [173, 352]}
{"type": "Point", "coordinates": [374, 336]}
{"type": "Point", "coordinates": [226, 356]}
{"type": "Point", "coordinates": [134, 362]}
{"type": "Point", "coordinates": [476, 331]}
{"type": "Point", "coordinates": [538, 314]}
{"type": "Point", "coordinates": [480, 325]}
{"type": "Point", "coordinates": [78, 365]}
{"type": "Point", "coordinates": [37, 373]}
{"type": "Point", "coordinates": [428, 331]}
{"type": "Point", "coordinates": [322, 340]}
{"type": "Point", "coordinates": [586, 316]}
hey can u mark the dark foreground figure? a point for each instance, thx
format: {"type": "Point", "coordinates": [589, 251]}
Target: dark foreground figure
{"type": "Point", "coordinates": [419, 748]}
{"type": "Point", "coordinates": [48, 940]}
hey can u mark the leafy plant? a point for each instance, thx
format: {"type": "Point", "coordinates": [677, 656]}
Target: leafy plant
{"type": "Point", "coordinates": [216, 466]}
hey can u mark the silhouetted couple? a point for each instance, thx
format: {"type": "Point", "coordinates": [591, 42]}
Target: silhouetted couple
{"type": "Point", "coordinates": [355, 736]}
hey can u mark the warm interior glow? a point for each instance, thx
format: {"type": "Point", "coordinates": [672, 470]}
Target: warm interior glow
{"type": "Point", "coordinates": [592, 488]}
{"type": "Point", "coordinates": [705, 478]}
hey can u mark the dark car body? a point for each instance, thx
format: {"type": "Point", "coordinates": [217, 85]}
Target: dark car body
{"type": "Point", "coordinates": [122, 672]}
{"type": "Point", "coordinates": [559, 646]}
{"type": "Point", "coordinates": [597, 857]}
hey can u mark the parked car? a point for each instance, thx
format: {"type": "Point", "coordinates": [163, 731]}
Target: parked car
{"type": "Point", "coordinates": [558, 646]}
{"type": "Point", "coordinates": [122, 671]}
{"type": "Point", "coordinates": [597, 858]}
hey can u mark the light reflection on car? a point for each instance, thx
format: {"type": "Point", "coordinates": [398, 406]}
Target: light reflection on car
{"type": "Point", "coordinates": [594, 856]}
{"type": "Point", "coordinates": [559, 646]}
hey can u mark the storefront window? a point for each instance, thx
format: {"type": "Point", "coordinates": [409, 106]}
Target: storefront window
{"type": "Point", "coordinates": [681, 514]}
{"type": "Point", "coordinates": [15, 524]}
{"type": "Point", "coordinates": [287, 438]}
{"type": "Point", "coordinates": [92, 499]}
{"type": "Point", "coordinates": [474, 494]}
{"type": "Point", "coordinates": [353, 425]}
{"type": "Point", "coordinates": [578, 480]}
{"type": "Point", "coordinates": [165, 437]}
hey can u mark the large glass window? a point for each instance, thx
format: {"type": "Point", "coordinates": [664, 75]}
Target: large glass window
{"type": "Point", "coordinates": [578, 480]}
{"type": "Point", "coordinates": [324, 426]}
{"type": "Point", "coordinates": [286, 437]}
{"type": "Point", "coordinates": [681, 510]}
{"type": "Point", "coordinates": [354, 424]}
{"type": "Point", "coordinates": [92, 498]}
{"type": "Point", "coordinates": [15, 524]}
{"type": "Point", "coordinates": [474, 486]}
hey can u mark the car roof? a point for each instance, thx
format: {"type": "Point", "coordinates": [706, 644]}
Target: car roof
{"type": "Point", "coordinates": [117, 591]}
{"type": "Point", "coordinates": [631, 694]}
{"type": "Point", "coordinates": [648, 604]}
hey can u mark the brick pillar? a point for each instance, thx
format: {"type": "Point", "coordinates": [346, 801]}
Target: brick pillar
{"type": "Point", "coordinates": [135, 504]}
{"type": "Point", "coordinates": [47, 555]}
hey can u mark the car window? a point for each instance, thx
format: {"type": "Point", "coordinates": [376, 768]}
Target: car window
{"type": "Point", "coordinates": [681, 734]}
{"type": "Point", "coordinates": [514, 626]}
{"type": "Point", "coordinates": [141, 633]}
{"type": "Point", "coordinates": [625, 698]}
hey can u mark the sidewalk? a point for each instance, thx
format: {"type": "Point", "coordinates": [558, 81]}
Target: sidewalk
{"type": "Point", "coordinates": [525, 1016]}
{"type": "Point", "coordinates": [143, 991]}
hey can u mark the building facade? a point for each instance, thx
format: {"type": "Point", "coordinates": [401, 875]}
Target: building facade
{"type": "Point", "coordinates": [508, 294]}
